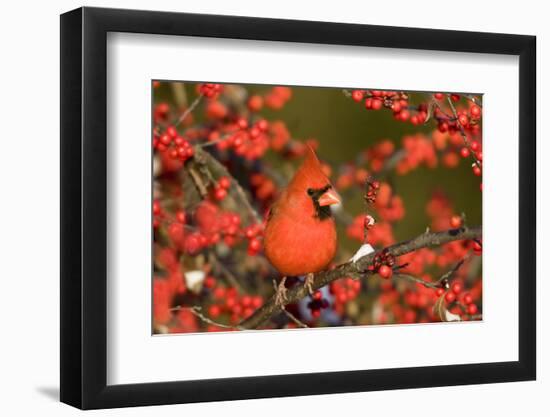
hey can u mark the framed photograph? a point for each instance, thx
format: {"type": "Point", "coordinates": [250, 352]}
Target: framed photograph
{"type": "Point", "coordinates": [259, 208]}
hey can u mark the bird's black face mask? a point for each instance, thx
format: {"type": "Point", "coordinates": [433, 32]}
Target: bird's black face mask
{"type": "Point", "coordinates": [321, 212]}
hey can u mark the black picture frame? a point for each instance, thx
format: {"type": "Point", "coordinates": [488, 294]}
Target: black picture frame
{"type": "Point", "coordinates": [84, 207]}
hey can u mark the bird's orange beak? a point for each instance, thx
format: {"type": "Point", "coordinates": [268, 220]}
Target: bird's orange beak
{"type": "Point", "coordinates": [329, 197]}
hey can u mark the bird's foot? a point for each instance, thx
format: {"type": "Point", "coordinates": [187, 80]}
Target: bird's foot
{"type": "Point", "coordinates": [280, 294]}
{"type": "Point", "coordinates": [309, 282]}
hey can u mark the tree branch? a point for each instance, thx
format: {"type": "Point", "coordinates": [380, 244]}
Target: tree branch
{"type": "Point", "coordinates": [189, 110]}
{"type": "Point", "coordinates": [221, 170]}
{"type": "Point", "coordinates": [358, 269]}
{"type": "Point", "coordinates": [462, 133]}
{"type": "Point", "coordinates": [289, 314]}
{"type": "Point", "coordinates": [196, 310]}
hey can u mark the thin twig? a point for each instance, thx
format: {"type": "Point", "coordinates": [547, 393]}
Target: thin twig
{"type": "Point", "coordinates": [295, 319]}
{"type": "Point", "coordinates": [216, 141]}
{"type": "Point", "coordinates": [231, 279]}
{"type": "Point", "coordinates": [411, 278]}
{"type": "Point", "coordinates": [196, 310]}
{"type": "Point", "coordinates": [438, 106]}
{"type": "Point", "coordinates": [188, 111]}
{"type": "Point", "coordinates": [448, 275]}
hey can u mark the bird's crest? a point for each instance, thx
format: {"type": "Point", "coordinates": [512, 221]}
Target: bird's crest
{"type": "Point", "coordinates": [310, 174]}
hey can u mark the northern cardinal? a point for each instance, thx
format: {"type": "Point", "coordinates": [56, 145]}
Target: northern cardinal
{"type": "Point", "coordinates": [300, 234]}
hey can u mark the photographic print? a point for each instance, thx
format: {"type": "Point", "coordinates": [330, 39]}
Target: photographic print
{"type": "Point", "coordinates": [293, 207]}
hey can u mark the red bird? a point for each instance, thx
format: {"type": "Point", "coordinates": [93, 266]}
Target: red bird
{"type": "Point", "coordinates": [300, 234]}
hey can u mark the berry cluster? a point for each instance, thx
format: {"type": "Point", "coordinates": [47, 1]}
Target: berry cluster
{"type": "Point", "coordinates": [317, 303]}
{"type": "Point", "coordinates": [396, 101]}
{"type": "Point", "coordinates": [226, 301]}
{"type": "Point", "coordinates": [173, 145]}
{"type": "Point", "coordinates": [344, 291]}
{"type": "Point", "coordinates": [458, 301]}
{"type": "Point", "coordinates": [383, 264]}
{"type": "Point", "coordinates": [210, 90]}
{"type": "Point", "coordinates": [372, 191]}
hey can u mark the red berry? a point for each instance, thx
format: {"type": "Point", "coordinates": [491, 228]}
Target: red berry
{"type": "Point", "coordinates": [165, 139]}
{"type": "Point", "coordinates": [255, 103]}
{"type": "Point", "coordinates": [385, 271]}
{"type": "Point", "coordinates": [450, 297]}
{"type": "Point", "coordinates": [237, 141]}
{"type": "Point", "coordinates": [376, 104]}
{"type": "Point", "coordinates": [475, 111]}
{"type": "Point", "coordinates": [368, 103]}
{"type": "Point", "coordinates": [438, 96]}
{"type": "Point", "coordinates": [396, 106]}
{"type": "Point", "coordinates": [317, 295]}
{"type": "Point", "coordinates": [180, 216]}
{"type": "Point", "coordinates": [210, 281]}
{"type": "Point", "coordinates": [472, 309]}
{"type": "Point", "coordinates": [463, 119]}
{"type": "Point", "coordinates": [357, 95]}
{"type": "Point", "coordinates": [456, 288]}
{"type": "Point", "coordinates": [263, 125]}
{"type": "Point", "coordinates": [467, 298]}
{"type": "Point", "coordinates": [172, 132]}
{"type": "Point", "coordinates": [192, 243]}
{"type": "Point", "coordinates": [254, 245]}
{"type": "Point", "coordinates": [214, 310]}
{"type": "Point", "coordinates": [455, 97]}
{"type": "Point", "coordinates": [404, 115]}
{"type": "Point", "coordinates": [476, 170]}
{"type": "Point", "coordinates": [176, 233]}
{"type": "Point", "coordinates": [224, 182]}
{"type": "Point", "coordinates": [439, 292]}
{"type": "Point", "coordinates": [220, 193]}
{"type": "Point", "coordinates": [156, 208]}
{"type": "Point", "coordinates": [257, 301]}
{"type": "Point", "coordinates": [254, 132]}
{"type": "Point", "coordinates": [456, 222]}
{"type": "Point", "coordinates": [443, 127]}
{"type": "Point", "coordinates": [464, 152]}
{"type": "Point", "coordinates": [242, 123]}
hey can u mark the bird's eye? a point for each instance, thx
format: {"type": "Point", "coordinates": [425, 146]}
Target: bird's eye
{"type": "Point", "coordinates": [310, 191]}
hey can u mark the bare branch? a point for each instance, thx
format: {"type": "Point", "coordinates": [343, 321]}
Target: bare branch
{"type": "Point", "coordinates": [231, 279]}
{"type": "Point", "coordinates": [196, 310]}
{"type": "Point", "coordinates": [295, 319]}
{"type": "Point", "coordinates": [197, 180]}
{"type": "Point", "coordinates": [412, 278]}
{"type": "Point", "coordinates": [221, 170]}
{"type": "Point", "coordinates": [448, 275]}
{"type": "Point", "coordinates": [188, 111]}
